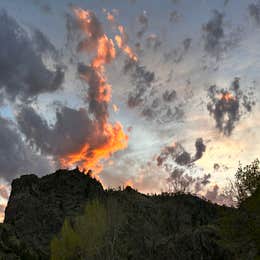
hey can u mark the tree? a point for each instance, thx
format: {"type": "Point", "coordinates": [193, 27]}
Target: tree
{"type": "Point", "coordinates": [84, 237]}
{"type": "Point", "coordinates": [181, 182]}
{"type": "Point", "coordinates": [247, 180]}
{"type": "Point", "coordinates": [65, 245]}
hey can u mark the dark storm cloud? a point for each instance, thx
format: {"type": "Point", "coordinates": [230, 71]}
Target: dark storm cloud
{"type": "Point", "coordinates": [15, 157]}
{"type": "Point", "coordinates": [42, 43]}
{"type": "Point", "coordinates": [254, 11]}
{"type": "Point", "coordinates": [184, 158]}
{"type": "Point", "coordinates": [228, 105]}
{"type": "Point", "coordinates": [72, 129]}
{"type": "Point", "coordinates": [177, 153]}
{"type": "Point", "coordinates": [22, 71]}
{"type": "Point", "coordinates": [200, 149]}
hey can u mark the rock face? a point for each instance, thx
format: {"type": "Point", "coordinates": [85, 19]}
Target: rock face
{"type": "Point", "coordinates": [38, 206]}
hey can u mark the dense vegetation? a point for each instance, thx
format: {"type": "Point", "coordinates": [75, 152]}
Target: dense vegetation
{"type": "Point", "coordinates": [129, 225]}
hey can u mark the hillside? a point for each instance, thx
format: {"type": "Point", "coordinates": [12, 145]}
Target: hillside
{"type": "Point", "coordinates": [140, 226]}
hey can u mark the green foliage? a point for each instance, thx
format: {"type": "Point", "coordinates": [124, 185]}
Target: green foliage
{"type": "Point", "coordinates": [83, 237]}
{"type": "Point", "coordinates": [247, 180]}
{"type": "Point", "coordinates": [66, 244]}
{"type": "Point", "coordinates": [91, 228]}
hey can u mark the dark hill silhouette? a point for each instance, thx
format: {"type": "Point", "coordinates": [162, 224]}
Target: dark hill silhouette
{"type": "Point", "coordinates": [155, 227]}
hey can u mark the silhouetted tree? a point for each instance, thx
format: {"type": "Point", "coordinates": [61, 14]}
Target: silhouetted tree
{"type": "Point", "coordinates": [247, 180]}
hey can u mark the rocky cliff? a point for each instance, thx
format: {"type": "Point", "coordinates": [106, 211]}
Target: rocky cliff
{"type": "Point", "coordinates": [38, 206]}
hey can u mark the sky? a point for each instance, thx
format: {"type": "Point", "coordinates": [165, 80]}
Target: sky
{"type": "Point", "coordinates": [174, 92]}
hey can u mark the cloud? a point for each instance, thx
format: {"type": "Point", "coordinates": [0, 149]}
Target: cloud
{"type": "Point", "coordinates": [179, 155]}
{"type": "Point", "coordinates": [200, 149]}
{"type": "Point", "coordinates": [177, 55]}
{"type": "Point", "coordinates": [142, 79]}
{"type": "Point", "coordinates": [42, 44]}
{"type": "Point", "coordinates": [153, 42]}
{"type": "Point", "coordinates": [4, 192]}
{"type": "Point", "coordinates": [226, 2]}
{"type": "Point", "coordinates": [44, 7]}
{"type": "Point", "coordinates": [212, 194]}
{"type": "Point", "coordinates": [72, 29]}
{"type": "Point", "coordinates": [217, 39]}
{"type": "Point", "coordinates": [213, 34]}
{"type": "Point", "coordinates": [22, 71]}
{"type": "Point", "coordinates": [169, 96]}
{"type": "Point", "coordinates": [220, 167]}
{"type": "Point", "coordinates": [144, 22]}
{"type": "Point", "coordinates": [228, 105]}
{"type": "Point", "coordinates": [73, 128]}
{"type": "Point", "coordinates": [74, 133]}
{"type": "Point", "coordinates": [2, 212]}
{"type": "Point", "coordinates": [254, 12]}
{"type": "Point", "coordinates": [99, 109]}
{"type": "Point", "coordinates": [16, 157]}
{"type": "Point", "coordinates": [152, 104]}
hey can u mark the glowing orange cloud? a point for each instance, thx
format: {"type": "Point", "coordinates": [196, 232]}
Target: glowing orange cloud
{"type": "Point", "coordinates": [90, 159]}
{"type": "Point", "coordinates": [227, 96]}
{"type": "Point", "coordinates": [121, 40]}
{"type": "Point", "coordinates": [110, 137]}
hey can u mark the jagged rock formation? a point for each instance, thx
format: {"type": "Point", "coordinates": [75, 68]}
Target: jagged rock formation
{"type": "Point", "coordinates": [38, 206]}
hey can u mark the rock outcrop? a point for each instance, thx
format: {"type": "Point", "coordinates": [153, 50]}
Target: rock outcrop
{"type": "Point", "coordinates": [38, 206]}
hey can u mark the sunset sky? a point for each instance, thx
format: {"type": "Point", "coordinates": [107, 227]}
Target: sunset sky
{"type": "Point", "coordinates": [186, 72]}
